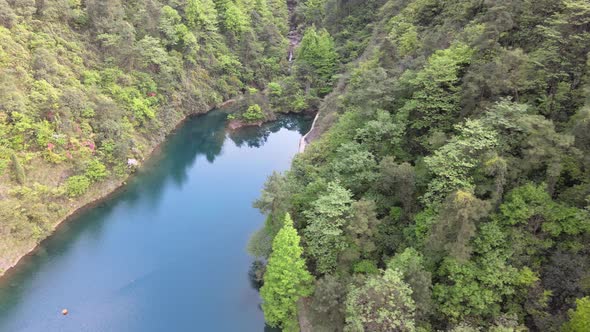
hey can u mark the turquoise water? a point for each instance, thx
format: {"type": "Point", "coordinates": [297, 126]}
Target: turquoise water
{"type": "Point", "coordinates": [168, 252]}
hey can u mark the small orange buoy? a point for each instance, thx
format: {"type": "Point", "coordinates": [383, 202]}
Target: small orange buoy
{"type": "Point", "coordinates": [64, 312]}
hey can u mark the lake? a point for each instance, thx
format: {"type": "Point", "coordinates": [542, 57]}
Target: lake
{"type": "Point", "coordinates": [166, 253]}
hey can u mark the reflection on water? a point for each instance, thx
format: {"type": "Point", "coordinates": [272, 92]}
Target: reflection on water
{"type": "Point", "coordinates": [257, 136]}
{"type": "Point", "coordinates": [168, 251]}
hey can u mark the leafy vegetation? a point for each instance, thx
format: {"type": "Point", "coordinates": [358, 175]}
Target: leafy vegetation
{"type": "Point", "coordinates": [449, 190]}
{"type": "Point", "coordinates": [450, 187]}
{"type": "Point", "coordinates": [286, 279]}
{"type": "Point", "coordinates": [86, 86]}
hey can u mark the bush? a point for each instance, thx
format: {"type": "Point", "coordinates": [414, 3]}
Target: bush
{"type": "Point", "coordinates": [254, 113]}
{"type": "Point", "coordinates": [366, 266]}
{"type": "Point", "coordinates": [77, 185]}
{"type": "Point", "coordinates": [275, 89]}
{"type": "Point", "coordinates": [95, 170]}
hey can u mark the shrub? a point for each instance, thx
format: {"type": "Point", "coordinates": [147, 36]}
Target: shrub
{"type": "Point", "coordinates": [254, 113]}
{"type": "Point", "coordinates": [275, 89]}
{"type": "Point", "coordinates": [77, 185]}
{"type": "Point", "coordinates": [95, 170]}
{"type": "Point", "coordinates": [366, 266]}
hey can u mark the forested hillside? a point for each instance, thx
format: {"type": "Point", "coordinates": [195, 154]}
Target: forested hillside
{"type": "Point", "coordinates": [89, 88]}
{"type": "Point", "coordinates": [450, 188]}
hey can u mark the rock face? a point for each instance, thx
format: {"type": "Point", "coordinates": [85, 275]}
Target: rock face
{"type": "Point", "coordinates": [237, 124]}
{"type": "Point", "coordinates": [307, 138]}
{"type": "Point", "coordinates": [132, 163]}
{"type": "Point", "coordinates": [227, 103]}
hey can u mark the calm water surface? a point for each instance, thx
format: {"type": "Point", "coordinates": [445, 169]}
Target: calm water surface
{"type": "Point", "coordinates": [166, 254]}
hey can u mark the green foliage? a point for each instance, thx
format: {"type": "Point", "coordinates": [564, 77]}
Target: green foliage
{"type": "Point", "coordinates": [410, 263]}
{"type": "Point", "coordinates": [275, 89]}
{"type": "Point", "coordinates": [382, 303]}
{"type": "Point", "coordinates": [77, 185]}
{"type": "Point", "coordinates": [328, 304]}
{"type": "Point", "coordinates": [95, 170]}
{"type": "Point", "coordinates": [436, 90]}
{"type": "Point", "coordinates": [254, 113]}
{"type": "Point", "coordinates": [454, 162]}
{"type": "Point", "coordinates": [366, 266]}
{"type": "Point", "coordinates": [317, 59]}
{"type": "Point", "coordinates": [324, 234]}
{"type": "Point", "coordinates": [460, 130]}
{"type": "Point", "coordinates": [455, 225]}
{"type": "Point", "coordinates": [579, 318]}
{"type": "Point", "coordinates": [531, 206]}
{"type": "Point", "coordinates": [234, 18]}
{"type": "Point", "coordinates": [286, 278]}
{"type": "Point", "coordinates": [355, 166]}
{"type": "Point", "coordinates": [202, 14]}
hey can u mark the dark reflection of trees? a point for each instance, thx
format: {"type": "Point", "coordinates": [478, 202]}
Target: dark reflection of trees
{"type": "Point", "coordinates": [202, 135]}
{"type": "Point", "coordinates": [257, 136]}
{"type": "Point", "coordinates": [256, 273]}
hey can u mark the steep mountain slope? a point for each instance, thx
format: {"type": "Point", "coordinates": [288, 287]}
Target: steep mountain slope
{"type": "Point", "coordinates": [450, 188]}
{"type": "Point", "coordinates": [89, 88]}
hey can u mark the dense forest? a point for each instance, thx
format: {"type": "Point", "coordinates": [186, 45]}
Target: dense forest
{"type": "Point", "coordinates": [449, 189]}
{"type": "Point", "coordinates": [89, 88]}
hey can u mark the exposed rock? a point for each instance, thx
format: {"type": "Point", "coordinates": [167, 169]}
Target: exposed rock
{"type": "Point", "coordinates": [237, 124]}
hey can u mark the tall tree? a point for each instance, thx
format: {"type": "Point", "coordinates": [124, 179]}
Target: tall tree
{"type": "Point", "coordinates": [317, 59]}
{"type": "Point", "coordinates": [286, 279]}
{"type": "Point", "coordinates": [325, 235]}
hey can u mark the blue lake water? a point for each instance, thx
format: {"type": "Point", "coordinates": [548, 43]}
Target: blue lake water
{"type": "Point", "coordinates": [168, 252]}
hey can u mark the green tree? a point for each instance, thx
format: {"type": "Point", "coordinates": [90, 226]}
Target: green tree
{"type": "Point", "coordinates": [382, 303]}
{"type": "Point", "coordinates": [95, 170]}
{"type": "Point", "coordinates": [456, 225]}
{"type": "Point", "coordinates": [410, 263]}
{"type": "Point", "coordinates": [579, 318]}
{"type": "Point", "coordinates": [235, 20]}
{"type": "Point", "coordinates": [254, 113]}
{"type": "Point", "coordinates": [355, 167]}
{"type": "Point", "coordinates": [453, 164]}
{"type": "Point", "coordinates": [328, 304]}
{"type": "Point", "coordinates": [317, 59]}
{"type": "Point", "coordinates": [77, 185]}
{"type": "Point", "coordinates": [362, 227]}
{"type": "Point", "coordinates": [436, 96]}
{"type": "Point", "coordinates": [324, 235]}
{"type": "Point", "coordinates": [202, 14]}
{"type": "Point", "coordinates": [286, 279]}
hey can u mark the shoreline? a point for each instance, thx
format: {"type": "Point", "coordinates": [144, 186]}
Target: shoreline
{"type": "Point", "coordinates": [110, 189]}
{"type": "Point", "coordinates": [303, 143]}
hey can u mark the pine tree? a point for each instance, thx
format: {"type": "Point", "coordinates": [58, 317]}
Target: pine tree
{"type": "Point", "coordinates": [286, 279]}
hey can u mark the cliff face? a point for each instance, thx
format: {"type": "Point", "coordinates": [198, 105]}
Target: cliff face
{"type": "Point", "coordinates": [87, 86]}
